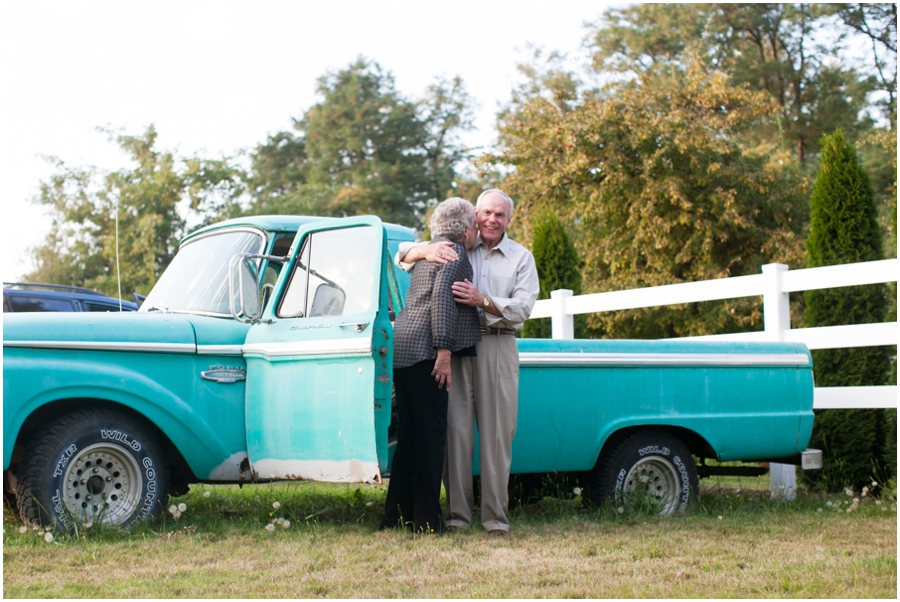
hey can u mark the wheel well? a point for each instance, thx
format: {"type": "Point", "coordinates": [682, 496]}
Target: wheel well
{"type": "Point", "coordinates": [695, 443]}
{"type": "Point", "coordinates": [179, 471]}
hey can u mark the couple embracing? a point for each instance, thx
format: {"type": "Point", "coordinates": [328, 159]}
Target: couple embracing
{"type": "Point", "coordinates": [464, 305]}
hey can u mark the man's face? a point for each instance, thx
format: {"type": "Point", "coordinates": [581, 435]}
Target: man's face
{"type": "Point", "coordinates": [493, 217]}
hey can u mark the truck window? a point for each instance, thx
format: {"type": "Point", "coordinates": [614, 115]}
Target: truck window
{"type": "Point", "coordinates": [334, 275]}
{"type": "Point", "coordinates": [197, 279]}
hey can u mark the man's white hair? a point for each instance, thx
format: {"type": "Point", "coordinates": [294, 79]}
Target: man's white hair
{"type": "Point", "coordinates": [501, 193]}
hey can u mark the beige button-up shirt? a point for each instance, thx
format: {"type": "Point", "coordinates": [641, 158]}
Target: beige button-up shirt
{"type": "Point", "coordinates": [506, 274]}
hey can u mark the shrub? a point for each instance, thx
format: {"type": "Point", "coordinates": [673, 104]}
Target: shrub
{"type": "Point", "coordinates": [844, 229]}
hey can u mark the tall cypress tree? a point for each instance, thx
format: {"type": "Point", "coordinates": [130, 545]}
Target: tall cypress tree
{"type": "Point", "coordinates": [557, 266]}
{"type": "Point", "coordinates": [843, 229]}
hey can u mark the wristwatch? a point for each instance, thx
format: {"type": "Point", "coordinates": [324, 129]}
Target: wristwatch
{"type": "Point", "coordinates": [486, 302]}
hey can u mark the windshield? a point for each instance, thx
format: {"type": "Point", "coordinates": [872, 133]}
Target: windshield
{"type": "Point", "coordinates": [197, 279]}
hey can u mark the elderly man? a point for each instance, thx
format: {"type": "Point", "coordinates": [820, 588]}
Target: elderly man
{"type": "Point", "coordinates": [485, 388]}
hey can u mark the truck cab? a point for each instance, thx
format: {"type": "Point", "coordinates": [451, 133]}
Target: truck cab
{"type": "Point", "coordinates": [263, 352]}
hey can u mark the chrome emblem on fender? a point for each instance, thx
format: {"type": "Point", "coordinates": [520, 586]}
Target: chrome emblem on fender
{"type": "Point", "coordinates": [224, 374]}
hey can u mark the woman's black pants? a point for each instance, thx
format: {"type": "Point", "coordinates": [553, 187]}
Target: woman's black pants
{"type": "Point", "coordinates": [414, 490]}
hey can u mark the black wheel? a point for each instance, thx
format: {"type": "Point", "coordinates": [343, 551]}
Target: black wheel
{"type": "Point", "coordinates": [650, 467]}
{"type": "Point", "coordinates": [96, 466]}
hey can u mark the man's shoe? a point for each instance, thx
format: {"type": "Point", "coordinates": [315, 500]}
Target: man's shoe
{"type": "Point", "coordinates": [497, 533]}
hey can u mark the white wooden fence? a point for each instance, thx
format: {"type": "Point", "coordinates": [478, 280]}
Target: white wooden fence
{"type": "Point", "coordinates": [774, 284]}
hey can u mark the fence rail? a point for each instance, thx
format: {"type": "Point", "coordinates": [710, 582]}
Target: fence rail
{"type": "Point", "coordinates": [774, 285]}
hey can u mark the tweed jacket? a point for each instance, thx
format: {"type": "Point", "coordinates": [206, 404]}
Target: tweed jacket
{"type": "Point", "coordinates": [431, 318]}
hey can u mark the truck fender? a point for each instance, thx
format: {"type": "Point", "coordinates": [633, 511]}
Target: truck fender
{"type": "Point", "coordinates": [168, 412]}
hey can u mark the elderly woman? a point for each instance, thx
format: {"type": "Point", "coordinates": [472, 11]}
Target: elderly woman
{"type": "Point", "coordinates": [428, 330]}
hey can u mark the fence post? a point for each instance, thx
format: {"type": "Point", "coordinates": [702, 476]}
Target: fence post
{"type": "Point", "coordinates": [776, 320]}
{"type": "Point", "coordinates": [563, 325]}
{"type": "Point", "coordinates": [776, 304]}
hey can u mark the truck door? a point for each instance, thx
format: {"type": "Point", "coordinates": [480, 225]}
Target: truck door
{"type": "Point", "coordinates": [319, 362]}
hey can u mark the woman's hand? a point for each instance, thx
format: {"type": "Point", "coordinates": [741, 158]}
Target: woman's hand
{"type": "Point", "coordinates": [441, 372]}
{"type": "Point", "coordinates": [436, 252]}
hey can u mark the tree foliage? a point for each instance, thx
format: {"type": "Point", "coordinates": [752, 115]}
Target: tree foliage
{"type": "Point", "coordinates": [790, 51]}
{"type": "Point", "coordinates": [844, 230]}
{"type": "Point", "coordinates": [153, 199]}
{"type": "Point", "coordinates": [655, 175]}
{"type": "Point", "coordinates": [557, 266]}
{"type": "Point", "coordinates": [364, 148]}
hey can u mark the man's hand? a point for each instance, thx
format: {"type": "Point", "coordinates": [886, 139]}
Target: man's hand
{"type": "Point", "coordinates": [466, 293]}
{"type": "Point", "coordinates": [437, 252]}
{"type": "Point", "coordinates": [441, 372]}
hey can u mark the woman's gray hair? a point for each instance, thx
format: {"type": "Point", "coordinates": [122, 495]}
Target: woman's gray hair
{"type": "Point", "coordinates": [451, 218]}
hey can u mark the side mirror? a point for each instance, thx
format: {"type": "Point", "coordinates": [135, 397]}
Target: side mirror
{"type": "Point", "coordinates": [243, 290]}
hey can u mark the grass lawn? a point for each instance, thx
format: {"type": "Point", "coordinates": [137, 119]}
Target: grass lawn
{"type": "Point", "coordinates": [737, 543]}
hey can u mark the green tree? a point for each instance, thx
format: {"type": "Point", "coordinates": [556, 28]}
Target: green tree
{"type": "Point", "coordinates": [153, 200]}
{"type": "Point", "coordinates": [558, 268]}
{"type": "Point", "coordinates": [790, 51]}
{"type": "Point", "coordinates": [655, 175]}
{"type": "Point", "coordinates": [843, 229]}
{"type": "Point", "coordinates": [364, 148]}
{"type": "Point", "coordinates": [878, 23]}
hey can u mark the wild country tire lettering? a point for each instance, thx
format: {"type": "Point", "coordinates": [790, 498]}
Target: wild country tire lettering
{"type": "Point", "coordinates": [653, 449]}
{"type": "Point", "coordinates": [685, 481]}
{"type": "Point", "coordinates": [121, 438]}
{"type": "Point", "coordinates": [150, 496]}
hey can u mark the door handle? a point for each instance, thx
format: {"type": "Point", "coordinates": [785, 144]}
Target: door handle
{"type": "Point", "coordinates": [360, 326]}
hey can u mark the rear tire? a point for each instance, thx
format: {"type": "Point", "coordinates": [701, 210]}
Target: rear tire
{"type": "Point", "coordinates": [97, 466]}
{"type": "Point", "coordinates": [649, 466]}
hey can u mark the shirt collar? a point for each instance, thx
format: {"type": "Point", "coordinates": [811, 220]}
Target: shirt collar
{"type": "Point", "coordinates": [502, 246]}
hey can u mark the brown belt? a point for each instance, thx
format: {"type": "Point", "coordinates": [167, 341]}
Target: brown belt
{"type": "Point", "coordinates": [509, 331]}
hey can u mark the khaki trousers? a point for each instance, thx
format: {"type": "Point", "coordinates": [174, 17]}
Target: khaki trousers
{"type": "Point", "coordinates": [484, 391]}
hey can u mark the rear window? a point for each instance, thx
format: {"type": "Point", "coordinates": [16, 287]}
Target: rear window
{"type": "Point", "coordinates": [23, 303]}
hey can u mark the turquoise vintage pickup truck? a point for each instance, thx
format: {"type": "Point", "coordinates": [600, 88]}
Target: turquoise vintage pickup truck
{"type": "Point", "coordinates": [264, 353]}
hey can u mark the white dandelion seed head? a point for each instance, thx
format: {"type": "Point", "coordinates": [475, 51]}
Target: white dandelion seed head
{"type": "Point", "coordinates": [577, 491]}
{"type": "Point", "coordinates": [368, 503]}
{"type": "Point", "coordinates": [286, 524]}
{"type": "Point", "coordinates": [182, 507]}
{"type": "Point", "coordinates": [720, 518]}
{"type": "Point", "coordinates": [849, 510]}
{"type": "Point", "coordinates": [48, 537]}
{"type": "Point", "coordinates": [818, 509]}
{"type": "Point", "coordinates": [23, 529]}
{"type": "Point", "coordinates": [88, 525]}
{"type": "Point", "coordinates": [621, 510]}
{"type": "Point", "coordinates": [35, 527]}
{"type": "Point", "coordinates": [173, 509]}
{"type": "Point", "coordinates": [47, 528]}
{"type": "Point", "coordinates": [874, 483]}
{"type": "Point", "coordinates": [877, 502]}
{"type": "Point", "coordinates": [276, 505]}
{"type": "Point", "coordinates": [849, 492]}
{"type": "Point", "coordinates": [270, 527]}
{"type": "Point", "coordinates": [205, 494]}
{"type": "Point", "coordinates": [828, 504]}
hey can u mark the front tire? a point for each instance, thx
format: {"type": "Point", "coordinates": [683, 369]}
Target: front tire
{"type": "Point", "coordinates": [97, 466]}
{"type": "Point", "coordinates": [647, 467]}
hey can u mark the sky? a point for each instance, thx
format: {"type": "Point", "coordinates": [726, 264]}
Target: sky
{"type": "Point", "coordinates": [218, 77]}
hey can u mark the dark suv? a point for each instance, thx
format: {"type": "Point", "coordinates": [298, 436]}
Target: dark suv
{"type": "Point", "coordinates": [25, 296]}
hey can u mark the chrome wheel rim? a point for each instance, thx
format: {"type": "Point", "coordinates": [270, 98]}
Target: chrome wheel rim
{"type": "Point", "coordinates": [102, 484]}
{"type": "Point", "coordinates": [656, 480]}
